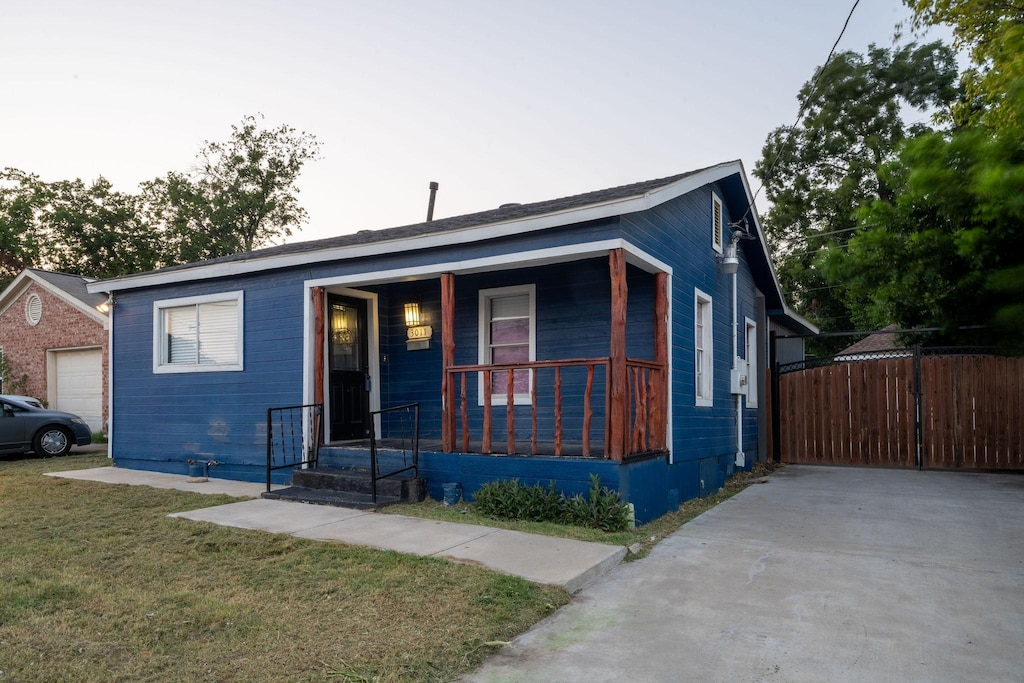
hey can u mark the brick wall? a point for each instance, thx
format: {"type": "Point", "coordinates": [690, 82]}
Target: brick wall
{"type": "Point", "coordinates": [62, 326]}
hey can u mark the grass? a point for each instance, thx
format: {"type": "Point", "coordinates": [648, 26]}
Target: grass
{"type": "Point", "coordinates": [97, 584]}
{"type": "Point", "coordinates": [640, 540]}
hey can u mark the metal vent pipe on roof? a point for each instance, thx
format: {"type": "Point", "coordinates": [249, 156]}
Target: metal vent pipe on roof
{"type": "Point", "coordinates": [433, 196]}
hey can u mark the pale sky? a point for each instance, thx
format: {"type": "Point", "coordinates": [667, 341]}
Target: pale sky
{"type": "Point", "coordinates": [498, 101]}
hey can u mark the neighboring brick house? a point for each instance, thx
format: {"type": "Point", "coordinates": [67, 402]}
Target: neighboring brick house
{"type": "Point", "coordinates": [54, 342]}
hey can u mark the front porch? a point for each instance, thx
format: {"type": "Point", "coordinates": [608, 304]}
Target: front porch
{"type": "Point", "coordinates": [554, 402]}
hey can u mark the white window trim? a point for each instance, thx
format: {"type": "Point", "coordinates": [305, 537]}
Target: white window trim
{"type": "Point", "coordinates": [717, 227]}
{"type": "Point", "coordinates": [484, 338]}
{"type": "Point", "coordinates": [160, 367]}
{"type": "Point", "coordinates": [750, 339]}
{"type": "Point", "coordinates": [700, 298]}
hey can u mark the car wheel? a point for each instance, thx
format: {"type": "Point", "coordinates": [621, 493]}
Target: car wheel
{"type": "Point", "coordinates": [52, 441]}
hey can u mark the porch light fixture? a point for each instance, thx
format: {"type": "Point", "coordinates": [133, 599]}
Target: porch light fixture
{"type": "Point", "coordinates": [417, 335]}
{"type": "Point", "coordinates": [730, 262]}
{"type": "Point", "coordinates": [412, 314]}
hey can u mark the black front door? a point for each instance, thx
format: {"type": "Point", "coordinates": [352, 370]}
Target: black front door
{"type": "Point", "coordinates": [349, 368]}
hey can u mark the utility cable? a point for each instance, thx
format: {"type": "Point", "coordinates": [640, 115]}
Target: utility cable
{"type": "Point", "coordinates": [800, 114]}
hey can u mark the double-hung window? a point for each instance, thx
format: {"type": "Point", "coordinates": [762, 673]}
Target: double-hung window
{"type": "Point", "coordinates": [752, 368]}
{"type": "Point", "coordinates": [507, 336]}
{"type": "Point", "coordinates": [702, 343]}
{"type": "Point", "coordinates": [198, 334]}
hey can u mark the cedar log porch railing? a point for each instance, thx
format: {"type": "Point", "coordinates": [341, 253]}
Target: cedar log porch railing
{"type": "Point", "coordinates": [642, 406]}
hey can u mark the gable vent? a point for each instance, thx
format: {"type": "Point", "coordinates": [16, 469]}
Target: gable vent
{"type": "Point", "coordinates": [33, 309]}
{"type": "Point", "coordinates": [716, 223]}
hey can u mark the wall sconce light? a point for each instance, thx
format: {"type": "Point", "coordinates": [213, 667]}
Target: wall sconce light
{"type": "Point", "coordinates": [730, 262]}
{"type": "Point", "coordinates": [104, 307]}
{"type": "Point", "coordinates": [412, 314]}
{"type": "Point", "coordinates": [417, 335]}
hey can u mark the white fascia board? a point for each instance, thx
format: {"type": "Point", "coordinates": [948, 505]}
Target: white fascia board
{"type": "Point", "coordinates": [27, 277]}
{"type": "Point", "coordinates": [514, 260]}
{"type": "Point", "coordinates": [799, 319]}
{"type": "Point", "coordinates": [445, 238]}
{"type": "Point", "coordinates": [14, 291]}
{"type": "Point", "coordinates": [760, 233]}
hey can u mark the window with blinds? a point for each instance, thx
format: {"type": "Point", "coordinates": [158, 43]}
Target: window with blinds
{"type": "Point", "coordinates": [508, 324]}
{"type": "Point", "coordinates": [199, 334]}
{"type": "Point", "coordinates": [702, 344]}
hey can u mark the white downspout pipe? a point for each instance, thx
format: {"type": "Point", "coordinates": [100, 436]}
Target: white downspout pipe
{"type": "Point", "coordinates": [737, 395]}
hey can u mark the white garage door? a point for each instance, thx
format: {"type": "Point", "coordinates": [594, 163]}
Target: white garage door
{"type": "Point", "coordinates": [80, 385]}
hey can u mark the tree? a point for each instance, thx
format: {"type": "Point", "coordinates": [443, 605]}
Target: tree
{"type": "Point", "coordinates": [818, 173]}
{"type": "Point", "coordinates": [948, 250]}
{"type": "Point", "coordinates": [241, 195]}
{"type": "Point", "coordinates": [95, 230]}
{"type": "Point", "coordinates": [20, 201]}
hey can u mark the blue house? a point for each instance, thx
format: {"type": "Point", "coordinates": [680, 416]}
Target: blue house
{"type": "Point", "coordinates": [621, 332]}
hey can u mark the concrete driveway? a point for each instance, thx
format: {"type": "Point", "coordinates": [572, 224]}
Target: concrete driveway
{"type": "Point", "coordinates": [822, 574]}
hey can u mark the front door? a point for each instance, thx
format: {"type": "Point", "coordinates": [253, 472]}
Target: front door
{"type": "Point", "coordinates": [349, 383]}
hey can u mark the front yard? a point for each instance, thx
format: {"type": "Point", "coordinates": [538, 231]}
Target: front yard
{"type": "Point", "coordinates": [97, 584]}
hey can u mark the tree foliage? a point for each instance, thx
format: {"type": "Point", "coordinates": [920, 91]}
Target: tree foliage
{"type": "Point", "coordinates": [818, 173]}
{"type": "Point", "coordinates": [948, 249]}
{"type": "Point", "coordinates": [242, 194]}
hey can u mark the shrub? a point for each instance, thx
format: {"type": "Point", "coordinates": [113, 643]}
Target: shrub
{"type": "Point", "coordinates": [601, 509]}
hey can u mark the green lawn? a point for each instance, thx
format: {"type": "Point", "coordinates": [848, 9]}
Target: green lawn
{"type": "Point", "coordinates": [97, 584]}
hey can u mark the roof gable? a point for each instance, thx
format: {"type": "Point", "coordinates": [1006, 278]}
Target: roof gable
{"type": "Point", "coordinates": [73, 289]}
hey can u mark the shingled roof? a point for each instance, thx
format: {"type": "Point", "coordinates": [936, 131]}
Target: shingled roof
{"type": "Point", "coordinates": [72, 285]}
{"type": "Point", "coordinates": [503, 214]}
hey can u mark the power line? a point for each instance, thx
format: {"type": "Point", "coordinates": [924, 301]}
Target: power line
{"type": "Point", "coordinates": [800, 114]}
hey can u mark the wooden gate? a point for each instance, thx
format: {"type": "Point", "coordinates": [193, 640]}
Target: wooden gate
{"type": "Point", "coordinates": [919, 410]}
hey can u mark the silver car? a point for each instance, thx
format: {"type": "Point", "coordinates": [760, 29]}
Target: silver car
{"type": "Point", "coordinates": [26, 426]}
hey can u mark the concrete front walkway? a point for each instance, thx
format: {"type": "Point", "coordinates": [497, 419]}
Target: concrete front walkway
{"type": "Point", "coordinates": [822, 574]}
{"type": "Point", "coordinates": [541, 559]}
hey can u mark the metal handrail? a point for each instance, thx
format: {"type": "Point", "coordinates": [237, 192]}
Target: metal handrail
{"type": "Point", "coordinates": [374, 476]}
{"type": "Point", "coordinates": [310, 421]}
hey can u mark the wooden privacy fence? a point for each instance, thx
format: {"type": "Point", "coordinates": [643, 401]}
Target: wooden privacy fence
{"type": "Point", "coordinates": [919, 410]}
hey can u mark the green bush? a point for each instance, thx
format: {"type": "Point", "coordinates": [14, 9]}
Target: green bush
{"type": "Point", "coordinates": [601, 509]}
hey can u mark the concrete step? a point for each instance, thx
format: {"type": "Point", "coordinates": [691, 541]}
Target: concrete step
{"type": "Point", "coordinates": [343, 499]}
{"type": "Point", "coordinates": [345, 480]}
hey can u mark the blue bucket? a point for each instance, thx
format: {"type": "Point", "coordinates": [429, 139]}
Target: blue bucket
{"type": "Point", "coordinates": [452, 493]}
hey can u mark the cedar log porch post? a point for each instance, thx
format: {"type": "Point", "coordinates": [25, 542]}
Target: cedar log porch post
{"type": "Point", "coordinates": [659, 397]}
{"type": "Point", "coordinates": [318, 344]}
{"type": "Point", "coordinates": [618, 406]}
{"type": "Point", "coordinates": [447, 361]}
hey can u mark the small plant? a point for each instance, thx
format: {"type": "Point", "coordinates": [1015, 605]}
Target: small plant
{"type": "Point", "coordinates": [512, 500]}
{"type": "Point", "coordinates": [10, 382]}
{"type": "Point", "coordinates": [601, 509]}
{"type": "Point", "coordinates": [99, 437]}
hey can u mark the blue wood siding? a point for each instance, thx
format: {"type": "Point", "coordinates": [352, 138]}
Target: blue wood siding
{"type": "Point", "coordinates": [162, 420]}
{"type": "Point", "coordinates": [679, 232]}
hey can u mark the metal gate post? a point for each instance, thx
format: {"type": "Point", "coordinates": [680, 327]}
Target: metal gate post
{"type": "Point", "coordinates": [918, 436]}
{"type": "Point", "coordinates": [776, 416]}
